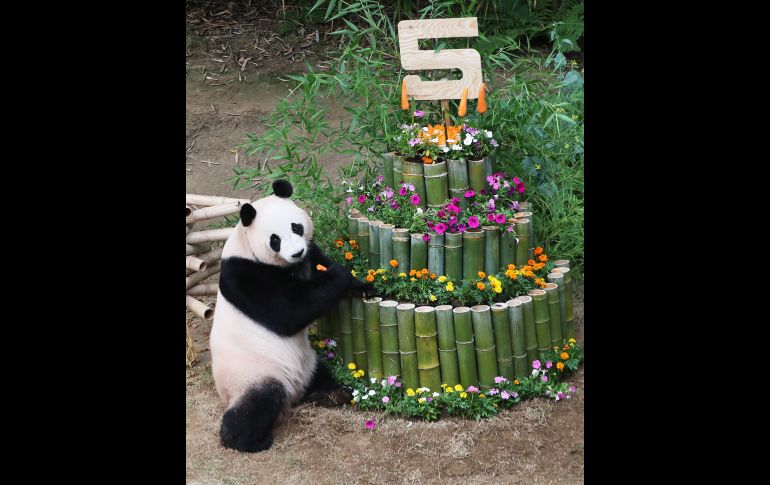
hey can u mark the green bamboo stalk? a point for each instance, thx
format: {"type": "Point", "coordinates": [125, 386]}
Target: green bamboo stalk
{"type": "Point", "coordinates": [436, 254]}
{"type": "Point", "coordinates": [559, 280]}
{"type": "Point", "coordinates": [353, 226]}
{"type": "Point", "coordinates": [401, 249]}
{"type": "Point", "coordinates": [359, 333]}
{"type": "Point", "coordinates": [414, 174]}
{"type": "Point", "coordinates": [457, 171]}
{"type": "Point", "coordinates": [391, 359]}
{"type": "Point", "coordinates": [491, 249]}
{"type": "Point", "coordinates": [476, 178]}
{"type": "Point", "coordinates": [407, 345]}
{"type": "Point", "coordinates": [486, 355]}
{"type": "Point", "coordinates": [386, 244]}
{"type": "Point", "coordinates": [373, 336]}
{"type": "Point", "coordinates": [562, 263]}
{"type": "Point", "coordinates": [436, 184]}
{"type": "Point", "coordinates": [387, 169]}
{"type": "Point", "coordinates": [488, 169]}
{"type": "Point", "coordinates": [530, 335]}
{"type": "Point", "coordinates": [473, 253]}
{"type": "Point", "coordinates": [398, 172]}
{"type": "Point", "coordinates": [542, 320]}
{"type": "Point", "coordinates": [522, 247]}
{"type": "Point", "coordinates": [335, 327]}
{"type": "Point", "coordinates": [554, 314]}
{"type": "Point", "coordinates": [363, 240]}
{"type": "Point", "coordinates": [345, 344]}
{"type": "Point", "coordinates": [427, 347]}
{"type": "Point", "coordinates": [503, 348]}
{"type": "Point", "coordinates": [374, 244]}
{"type": "Point", "coordinates": [568, 295]}
{"type": "Point", "coordinates": [418, 252]}
{"type": "Point", "coordinates": [518, 339]}
{"type": "Point", "coordinates": [531, 226]}
{"type": "Point", "coordinates": [447, 349]}
{"type": "Point", "coordinates": [466, 353]}
{"type": "Point", "coordinates": [453, 256]}
{"type": "Point", "coordinates": [508, 245]}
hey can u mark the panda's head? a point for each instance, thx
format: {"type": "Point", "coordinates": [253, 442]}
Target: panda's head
{"type": "Point", "coordinates": [277, 230]}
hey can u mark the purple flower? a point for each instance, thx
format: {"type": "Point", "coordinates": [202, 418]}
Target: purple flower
{"type": "Point", "coordinates": [371, 209]}
{"type": "Point", "coordinates": [496, 186]}
{"type": "Point", "coordinates": [520, 188]}
{"type": "Point", "coordinates": [398, 384]}
{"type": "Point", "coordinates": [483, 192]}
{"type": "Point", "coordinates": [429, 399]}
{"type": "Point", "coordinates": [491, 217]}
{"type": "Point", "coordinates": [544, 378]}
{"type": "Point", "coordinates": [394, 205]}
{"type": "Point", "coordinates": [452, 219]}
{"type": "Point", "coordinates": [505, 395]}
{"type": "Point", "coordinates": [431, 225]}
{"type": "Point", "coordinates": [548, 364]}
{"type": "Point", "coordinates": [440, 228]}
{"type": "Point", "coordinates": [369, 424]}
{"type": "Point", "coordinates": [493, 391]}
{"type": "Point", "coordinates": [560, 395]}
{"type": "Point", "coordinates": [469, 194]}
{"type": "Point", "coordinates": [473, 222]}
{"type": "Point", "coordinates": [515, 205]}
{"type": "Point", "coordinates": [453, 208]}
{"type": "Point", "coordinates": [572, 389]}
{"type": "Point", "coordinates": [493, 142]}
{"type": "Point", "coordinates": [441, 214]}
{"type": "Point", "coordinates": [389, 193]}
{"type": "Point", "coordinates": [379, 178]}
{"type": "Point", "coordinates": [426, 237]}
{"type": "Point", "coordinates": [361, 199]}
{"type": "Point", "coordinates": [491, 179]}
{"type": "Point", "coordinates": [392, 380]}
{"type": "Point", "coordinates": [377, 198]}
{"type": "Point", "coordinates": [472, 389]}
{"type": "Point", "coordinates": [418, 113]}
{"type": "Point", "coordinates": [385, 399]}
{"type": "Point", "coordinates": [402, 191]}
{"type": "Point", "coordinates": [510, 229]}
{"type": "Point", "coordinates": [348, 200]}
{"type": "Point", "coordinates": [410, 187]}
{"type": "Point", "coordinates": [455, 200]}
{"type": "Point", "coordinates": [330, 355]}
{"type": "Point", "coordinates": [415, 199]}
{"type": "Point", "coordinates": [500, 379]}
{"type": "Point", "coordinates": [472, 131]}
{"type": "Point", "coordinates": [536, 364]}
{"type": "Point", "coordinates": [461, 227]}
{"type": "Point", "coordinates": [413, 142]}
{"type": "Point", "coordinates": [515, 395]}
{"type": "Point", "coordinates": [516, 180]}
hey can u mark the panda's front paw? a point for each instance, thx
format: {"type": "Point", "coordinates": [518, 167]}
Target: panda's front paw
{"type": "Point", "coordinates": [363, 289]}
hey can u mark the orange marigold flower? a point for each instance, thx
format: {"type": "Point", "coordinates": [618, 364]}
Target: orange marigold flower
{"type": "Point", "coordinates": [527, 268]}
{"type": "Point", "coordinates": [482, 274]}
{"type": "Point", "coordinates": [394, 263]}
{"type": "Point", "coordinates": [516, 382]}
{"type": "Point", "coordinates": [564, 355]}
{"type": "Point", "coordinates": [371, 271]}
{"type": "Point", "coordinates": [538, 250]}
{"type": "Point", "coordinates": [412, 272]}
{"type": "Point", "coordinates": [543, 258]}
{"type": "Point", "coordinates": [339, 243]}
{"type": "Point", "coordinates": [560, 365]}
{"type": "Point", "coordinates": [540, 282]}
{"type": "Point", "coordinates": [348, 255]}
{"type": "Point", "coordinates": [565, 347]}
{"type": "Point", "coordinates": [531, 262]}
{"type": "Point", "coordinates": [369, 278]}
{"type": "Point", "coordinates": [352, 242]}
{"type": "Point", "coordinates": [480, 285]}
{"type": "Point", "coordinates": [427, 160]}
{"type": "Point", "coordinates": [511, 267]}
{"type": "Point", "coordinates": [433, 276]}
{"type": "Point", "coordinates": [424, 271]}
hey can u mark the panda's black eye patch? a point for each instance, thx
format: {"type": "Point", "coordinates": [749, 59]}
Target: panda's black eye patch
{"type": "Point", "coordinates": [297, 229]}
{"type": "Point", "coordinates": [275, 243]}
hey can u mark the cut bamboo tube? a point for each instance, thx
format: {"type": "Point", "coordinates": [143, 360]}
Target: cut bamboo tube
{"type": "Point", "coordinates": [503, 348]}
{"type": "Point", "coordinates": [530, 335]}
{"type": "Point", "coordinates": [508, 245]}
{"type": "Point", "coordinates": [386, 244]}
{"type": "Point", "coordinates": [195, 264]}
{"type": "Point", "coordinates": [204, 289]}
{"type": "Point", "coordinates": [447, 349]}
{"type": "Point", "coordinates": [353, 226]}
{"type": "Point", "coordinates": [398, 171]}
{"type": "Point", "coordinates": [436, 189]}
{"type": "Point", "coordinates": [436, 254]}
{"type": "Point", "coordinates": [197, 249]}
{"type": "Point", "coordinates": [418, 252]}
{"type": "Point", "coordinates": [427, 347]}
{"type": "Point", "coordinates": [355, 213]}
{"type": "Point", "coordinates": [466, 352]}
{"type": "Point", "coordinates": [518, 339]}
{"type": "Point", "coordinates": [560, 281]}
{"type": "Point", "coordinates": [188, 211]}
{"type": "Point", "coordinates": [213, 212]}
{"type": "Point", "coordinates": [391, 358]}
{"type": "Point", "coordinates": [199, 308]}
{"type": "Point", "coordinates": [387, 169]}
{"type": "Point", "coordinates": [414, 174]}
{"type": "Point", "coordinates": [568, 295]}
{"type": "Point", "coordinates": [554, 314]}
{"type": "Point", "coordinates": [473, 253]}
{"type": "Point", "coordinates": [459, 194]}
{"type": "Point", "coordinates": [531, 230]}
{"type": "Point", "coordinates": [335, 328]}
{"type": "Point", "coordinates": [359, 333]}
{"type": "Point", "coordinates": [374, 244]}
{"type": "Point", "coordinates": [491, 249]}
{"type": "Point", "coordinates": [207, 236]}
{"type": "Point", "coordinates": [525, 206]}
{"type": "Point", "coordinates": [476, 178]}
{"type": "Point", "coordinates": [401, 249]}
{"type": "Point", "coordinates": [212, 256]}
{"type": "Point", "coordinates": [542, 320]}
{"type": "Point", "coordinates": [457, 175]}
{"type": "Point", "coordinates": [373, 336]}
{"type": "Point", "coordinates": [453, 256]}
{"type": "Point", "coordinates": [562, 263]}
{"type": "Point", "coordinates": [208, 200]}
{"type": "Point", "coordinates": [486, 356]}
{"type": "Point", "coordinates": [407, 344]}
{"type": "Point", "coordinates": [363, 240]}
{"type": "Point", "coordinates": [522, 247]}
{"type": "Point", "coordinates": [488, 169]}
{"type": "Point", "coordinates": [346, 330]}
{"type": "Point", "coordinates": [199, 276]}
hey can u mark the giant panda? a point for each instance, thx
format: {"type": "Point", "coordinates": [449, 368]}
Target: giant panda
{"type": "Point", "coordinates": [270, 291]}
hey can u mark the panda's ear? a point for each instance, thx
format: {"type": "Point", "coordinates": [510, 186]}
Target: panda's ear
{"type": "Point", "coordinates": [248, 213]}
{"type": "Point", "coordinates": [283, 189]}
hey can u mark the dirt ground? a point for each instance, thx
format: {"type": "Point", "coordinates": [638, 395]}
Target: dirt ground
{"type": "Point", "coordinates": [234, 77]}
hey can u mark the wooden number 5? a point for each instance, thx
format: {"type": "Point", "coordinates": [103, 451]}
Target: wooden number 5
{"type": "Point", "coordinates": [467, 60]}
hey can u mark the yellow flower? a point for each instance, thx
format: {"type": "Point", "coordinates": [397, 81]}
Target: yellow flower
{"type": "Point", "coordinates": [384, 278]}
{"type": "Point", "coordinates": [497, 289]}
{"type": "Point", "coordinates": [433, 298]}
{"type": "Point", "coordinates": [353, 402]}
{"type": "Point", "coordinates": [321, 344]}
{"type": "Point", "coordinates": [352, 242]}
{"type": "Point", "coordinates": [572, 341]}
{"type": "Point", "coordinates": [450, 286]}
{"type": "Point", "coordinates": [482, 274]}
{"type": "Point", "coordinates": [353, 272]}
{"type": "Point", "coordinates": [481, 396]}
{"type": "Point", "coordinates": [516, 382]}
{"type": "Point", "coordinates": [410, 392]}
{"type": "Point", "coordinates": [312, 331]}
{"type": "Point", "coordinates": [379, 271]}
{"type": "Point", "coordinates": [352, 366]}
{"type": "Point", "coordinates": [412, 279]}
{"type": "Point", "coordinates": [449, 389]}
{"type": "Point", "coordinates": [463, 395]}
{"type": "Point", "coordinates": [441, 279]}
{"type": "Point", "coordinates": [458, 387]}
{"type": "Point", "coordinates": [421, 400]}
{"type": "Point", "coordinates": [403, 275]}
{"type": "Point", "coordinates": [443, 386]}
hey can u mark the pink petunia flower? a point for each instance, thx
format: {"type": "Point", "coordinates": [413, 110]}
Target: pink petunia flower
{"type": "Point", "coordinates": [548, 364]}
{"type": "Point", "coordinates": [473, 222]}
{"type": "Point", "coordinates": [440, 228]}
{"type": "Point", "coordinates": [500, 218]}
{"type": "Point", "coordinates": [415, 199]}
{"type": "Point", "coordinates": [402, 191]}
{"type": "Point", "coordinates": [385, 399]}
{"type": "Point", "coordinates": [426, 237]}
{"type": "Point", "coordinates": [348, 200]}
{"type": "Point", "coordinates": [369, 424]}
{"type": "Point", "coordinates": [500, 379]}
{"type": "Point", "coordinates": [361, 199]}
{"type": "Point", "coordinates": [469, 194]}
{"type": "Point", "coordinates": [536, 364]}
{"type": "Point", "coordinates": [505, 395]}
{"type": "Point", "coordinates": [491, 217]}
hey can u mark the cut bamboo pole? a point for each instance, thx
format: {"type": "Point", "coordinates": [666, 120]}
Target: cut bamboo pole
{"type": "Point", "coordinates": [374, 244]}
{"type": "Point", "coordinates": [436, 254]}
{"type": "Point", "coordinates": [427, 347]}
{"type": "Point", "coordinates": [473, 253]}
{"type": "Point", "coordinates": [491, 249]}
{"type": "Point", "coordinates": [562, 263]}
{"type": "Point", "coordinates": [447, 349]}
{"type": "Point", "coordinates": [488, 169]}
{"type": "Point", "coordinates": [407, 344]}
{"type": "Point", "coordinates": [508, 245]}
{"type": "Point", "coordinates": [531, 229]}
{"type": "Point", "coordinates": [542, 320]}
{"type": "Point", "coordinates": [414, 174]}
{"type": "Point", "coordinates": [359, 333]}
{"type": "Point", "coordinates": [398, 171]}
{"type": "Point", "coordinates": [401, 249]}
{"type": "Point", "coordinates": [568, 295]}
{"type": "Point", "coordinates": [373, 336]}
{"type": "Point", "coordinates": [525, 206]}
{"type": "Point", "coordinates": [436, 189]}
{"type": "Point", "coordinates": [554, 314]}
{"type": "Point", "coordinates": [335, 328]}
{"type": "Point", "coordinates": [391, 358]}
{"type": "Point", "coordinates": [195, 264]}
{"type": "Point", "coordinates": [213, 212]}
{"type": "Point", "coordinates": [386, 244]}
{"type": "Point", "coordinates": [353, 225]}
{"type": "Point", "coordinates": [559, 280]}
{"type": "Point", "coordinates": [197, 248]}
{"type": "Point", "coordinates": [486, 356]}
{"type": "Point", "coordinates": [457, 171]}
{"type": "Point", "coordinates": [466, 352]}
{"type": "Point", "coordinates": [188, 211]}
{"type": "Point", "coordinates": [518, 339]}
{"type": "Point", "coordinates": [453, 256]}
{"type": "Point", "coordinates": [212, 256]}
{"type": "Point", "coordinates": [199, 276]}
{"type": "Point", "coordinates": [204, 289]}
{"type": "Point", "coordinates": [418, 252]}
{"type": "Point", "coordinates": [208, 200]}
{"type": "Point", "coordinates": [530, 335]}
{"type": "Point", "coordinates": [503, 348]}
{"type": "Point", "coordinates": [522, 247]}
{"type": "Point", "coordinates": [346, 330]}
{"type": "Point", "coordinates": [476, 175]}
{"type": "Point", "coordinates": [363, 240]}
{"type": "Point", "coordinates": [199, 308]}
{"type": "Point", "coordinates": [207, 236]}
{"type": "Point", "coordinates": [387, 169]}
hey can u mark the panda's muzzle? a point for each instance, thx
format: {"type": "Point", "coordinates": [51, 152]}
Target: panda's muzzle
{"type": "Point", "coordinates": [298, 253]}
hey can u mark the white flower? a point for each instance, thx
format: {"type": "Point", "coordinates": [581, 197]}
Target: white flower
{"type": "Point", "coordinates": [435, 394]}
{"type": "Point", "coordinates": [371, 392]}
{"type": "Point", "coordinates": [534, 371]}
{"type": "Point", "coordinates": [435, 140]}
{"type": "Point", "coordinates": [364, 397]}
{"type": "Point", "coordinates": [373, 380]}
{"type": "Point", "coordinates": [332, 342]}
{"type": "Point", "coordinates": [444, 149]}
{"type": "Point", "coordinates": [419, 210]}
{"type": "Point", "coordinates": [467, 141]}
{"type": "Point", "coordinates": [361, 188]}
{"type": "Point", "coordinates": [349, 191]}
{"type": "Point", "coordinates": [488, 133]}
{"type": "Point", "coordinates": [424, 128]}
{"type": "Point", "coordinates": [355, 392]}
{"type": "Point", "coordinates": [456, 147]}
{"type": "Point", "coordinates": [357, 398]}
{"type": "Point", "coordinates": [384, 382]}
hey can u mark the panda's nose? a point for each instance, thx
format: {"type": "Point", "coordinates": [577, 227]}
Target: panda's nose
{"type": "Point", "coordinates": [298, 253]}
